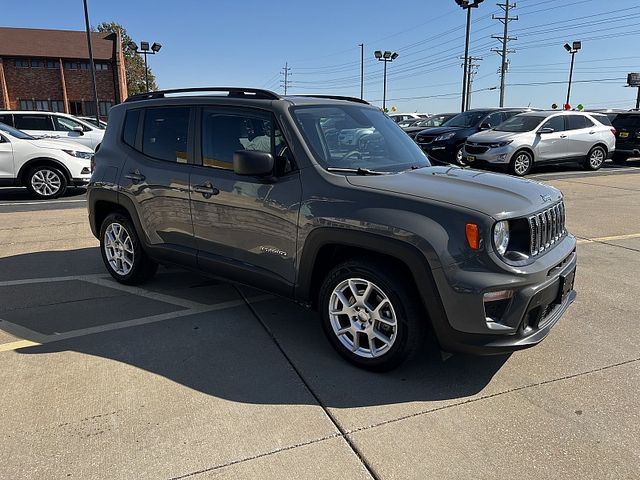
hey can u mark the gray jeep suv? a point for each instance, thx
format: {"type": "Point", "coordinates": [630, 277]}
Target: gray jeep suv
{"type": "Point", "coordinates": [327, 201]}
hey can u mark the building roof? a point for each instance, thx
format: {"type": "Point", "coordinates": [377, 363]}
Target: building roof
{"type": "Point", "coordinates": [31, 42]}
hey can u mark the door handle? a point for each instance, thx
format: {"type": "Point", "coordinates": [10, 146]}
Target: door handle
{"type": "Point", "coordinates": [206, 189]}
{"type": "Point", "coordinates": [563, 136]}
{"type": "Point", "coordinates": [135, 176]}
{"type": "Point", "coordinates": [592, 132]}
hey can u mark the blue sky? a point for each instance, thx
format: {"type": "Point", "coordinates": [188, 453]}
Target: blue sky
{"type": "Point", "coordinates": [247, 43]}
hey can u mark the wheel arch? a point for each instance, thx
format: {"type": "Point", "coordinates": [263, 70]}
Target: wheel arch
{"type": "Point", "coordinates": [44, 161]}
{"type": "Point", "coordinates": [603, 145]}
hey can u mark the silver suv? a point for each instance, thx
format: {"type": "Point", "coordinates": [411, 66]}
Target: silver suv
{"type": "Point", "coordinates": [543, 137]}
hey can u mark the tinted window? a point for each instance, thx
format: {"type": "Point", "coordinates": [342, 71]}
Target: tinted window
{"type": "Point", "coordinates": [130, 130]}
{"type": "Point", "coordinates": [557, 123]}
{"type": "Point", "coordinates": [627, 121]}
{"type": "Point", "coordinates": [66, 124]}
{"type": "Point", "coordinates": [520, 123]}
{"type": "Point", "coordinates": [493, 120]}
{"type": "Point", "coordinates": [165, 133]}
{"type": "Point", "coordinates": [576, 122]}
{"type": "Point", "coordinates": [33, 122]}
{"type": "Point", "coordinates": [225, 132]}
{"type": "Point", "coordinates": [466, 119]}
{"type": "Point", "coordinates": [603, 119]}
{"type": "Point", "coordinates": [511, 113]}
{"type": "Point", "coordinates": [6, 119]}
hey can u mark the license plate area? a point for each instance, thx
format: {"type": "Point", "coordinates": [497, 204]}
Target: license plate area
{"type": "Point", "coordinates": [566, 285]}
{"type": "Point", "coordinates": [471, 158]}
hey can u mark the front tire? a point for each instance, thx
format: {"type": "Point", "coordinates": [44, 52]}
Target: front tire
{"type": "Point", "coordinates": [521, 163]}
{"type": "Point", "coordinates": [122, 252]}
{"type": "Point", "coordinates": [45, 182]}
{"type": "Point", "coordinates": [459, 157]}
{"type": "Point", "coordinates": [370, 315]}
{"type": "Point", "coordinates": [595, 159]}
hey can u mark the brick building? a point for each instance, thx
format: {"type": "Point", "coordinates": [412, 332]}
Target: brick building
{"type": "Point", "coordinates": [50, 70]}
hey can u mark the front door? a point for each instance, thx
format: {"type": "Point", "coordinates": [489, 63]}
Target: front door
{"type": "Point", "coordinates": [551, 146]}
{"type": "Point", "coordinates": [155, 178]}
{"type": "Point", "coordinates": [245, 227]}
{"type": "Point", "coordinates": [7, 168]}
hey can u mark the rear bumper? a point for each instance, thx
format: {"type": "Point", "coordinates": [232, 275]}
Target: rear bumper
{"type": "Point", "coordinates": [80, 182]}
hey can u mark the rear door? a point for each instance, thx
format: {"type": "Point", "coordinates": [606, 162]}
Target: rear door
{"type": "Point", "coordinates": [581, 136]}
{"type": "Point", "coordinates": [36, 124]}
{"type": "Point", "coordinates": [245, 227]}
{"type": "Point", "coordinates": [7, 168]}
{"type": "Point", "coordinates": [551, 146]}
{"type": "Point", "coordinates": [155, 178]}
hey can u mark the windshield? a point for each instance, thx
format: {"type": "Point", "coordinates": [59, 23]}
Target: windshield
{"type": "Point", "coordinates": [521, 123]}
{"type": "Point", "coordinates": [14, 132]}
{"type": "Point", "coordinates": [352, 137]}
{"type": "Point", "coordinates": [435, 121]}
{"type": "Point", "coordinates": [465, 120]}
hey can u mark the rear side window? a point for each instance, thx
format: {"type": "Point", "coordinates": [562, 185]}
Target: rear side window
{"type": "Point", "coordinates": [130, 130]}
{"type": "Point", "coordinates": [165, 133]}
{"type": "Point", "coordinates": [627, 121]}
{"type": "Point", "coordinates": [6, 119]}
{"type": "Point", "coordinates": [576, 122]}
{"type": "Point", "coordinates": [33, 122]}
{"type": "Point", "coordinates": [603, 119]}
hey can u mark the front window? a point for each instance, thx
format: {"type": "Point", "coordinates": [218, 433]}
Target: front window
{"type": "Point", "coordinates": [352, 137]}
{"type": "Point", "coordinates": [465, 120]}
{"type": "Point", "coordinates": [15, 132]}
{"type": "Point", "coordinates": [520, 123]}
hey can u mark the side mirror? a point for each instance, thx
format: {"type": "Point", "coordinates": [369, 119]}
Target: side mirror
{"type": "Point", "coordinates": [545, 130]}
{"type": "Point", "coordinates": [78, 129]}
{"type": "Point", "coordinates": [485, 126]}
{"type": "Point", "coordinates": [253, 162]}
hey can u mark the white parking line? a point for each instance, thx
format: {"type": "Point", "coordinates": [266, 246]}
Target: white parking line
{"type": "Point", "coordinates": [609, 239]}
{"type": "Point", "coordinates": [51, 202]}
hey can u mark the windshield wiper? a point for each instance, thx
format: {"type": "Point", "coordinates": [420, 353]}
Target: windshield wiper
{"type": "Point", "coordinates": [358, 171]}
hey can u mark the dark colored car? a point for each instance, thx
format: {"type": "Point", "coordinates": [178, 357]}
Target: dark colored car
{"type": "Point", "coordinates": [445, 144]}
{"type": "Point", "coordinates": [431, 122]}
{"type": "Point", "coordinates": [627, 127]}
{"type": "Point", "coordinates": [328, 202]}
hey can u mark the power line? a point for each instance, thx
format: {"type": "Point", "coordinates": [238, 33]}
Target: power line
{"type": "Point", "coordinates": [505, 39]}
{"type": "Point", "coordinates": [286, 72]}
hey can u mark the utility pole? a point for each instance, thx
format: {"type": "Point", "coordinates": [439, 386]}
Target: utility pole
{"type": "Point", "coordinates": [505, 39]}
{"type": "Point", "coordinates": [361, 45]}
{"type": "Point", "coordinates": [93, 66]}
{"type": "Point", "coordinates": [472, 69]}
{"type": "Point", "coordinates": [466, 5]}
{"type": "Point", "coordinates": [286, 73]}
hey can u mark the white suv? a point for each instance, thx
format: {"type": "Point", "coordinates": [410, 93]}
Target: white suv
{"type": "Point", "coordinates": [55, 126]}
{"type": "Point", "coordinates": [46, 168]}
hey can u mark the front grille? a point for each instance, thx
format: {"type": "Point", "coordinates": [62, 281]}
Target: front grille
{"type": "Point", "coordinates": [547, 227]}
{"type": "Point", "coordinates": [475, 149]}
{"type": "Point", "coordinates": [425, 139]}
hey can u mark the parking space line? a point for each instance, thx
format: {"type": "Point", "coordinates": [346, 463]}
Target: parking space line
{"type": "Point", "coordinates": [609, 239]}
{"type": "Point", "coordinates": [28, 281]}
{"type": "Point", "coordinates": [13, 204]}
{"type": "Point", "coordinates": [44, 339]}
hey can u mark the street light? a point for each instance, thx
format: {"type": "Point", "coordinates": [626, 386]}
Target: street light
{"type": "Point", "coordinates": [385, 57]}
{"type": "Point", "coordinates": [572, 49]}
{"type": "Point", "coordinates": [467, 5]}
{"type": "Point", "coordinates": [144, 50]}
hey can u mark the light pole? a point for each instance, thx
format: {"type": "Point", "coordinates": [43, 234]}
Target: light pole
{"type": "Point", "coordinates": [467, 5]}
{"type": "Point", "coordinates": [572, 49]}
{"type": "Point", "coordinates": [385, 57]}
{"type": "Point", "coordinates": [144, 50]}
{"type": "Point", "coordinates": [361, 45]}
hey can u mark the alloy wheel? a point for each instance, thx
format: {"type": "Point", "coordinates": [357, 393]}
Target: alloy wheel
{"type": "Point", "coordinates": [521, 164]}
{"type": "Point", "coordinates": [46, 182]}
{"type": "Point", "coordinates": [363, 318]}
{"type": "Point", "coordinates": [118, 248]}
{"type": "Point", "coordinates": [596, 159]}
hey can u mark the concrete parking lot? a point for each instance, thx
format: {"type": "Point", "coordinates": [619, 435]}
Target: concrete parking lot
{"type": "Point", "coordinates": [190, 377]}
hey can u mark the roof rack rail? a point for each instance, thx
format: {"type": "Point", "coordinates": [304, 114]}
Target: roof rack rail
{"type": "Point", "coordinates": [232, 92]}
{"type": "Point", "coordinates": [335, 97]}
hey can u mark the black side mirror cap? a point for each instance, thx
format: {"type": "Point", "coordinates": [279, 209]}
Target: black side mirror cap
{"type": "Point", "coordinates": [253, 162]}
{"type": "Point", "coordinates": [485, 126]}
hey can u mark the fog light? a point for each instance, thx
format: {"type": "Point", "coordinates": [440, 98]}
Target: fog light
{"type": "Point", "coordinates": [502, 156]}
{"type": "Point", "coordinates": [499, 295]}
{"type": "Point", "coordinates": [495, 306]}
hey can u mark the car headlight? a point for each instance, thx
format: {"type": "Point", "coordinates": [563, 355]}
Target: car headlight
{"type": "Point", "coordinates": [500, 144]}
{"type": "Point", "coordinates": [444, 136]}
{"type": "Point", "coordinates": [75, 153]}
{"type": "Point", "coordinates": [501, 236]}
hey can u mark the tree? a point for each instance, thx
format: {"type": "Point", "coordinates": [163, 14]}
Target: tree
{"type": "Point", "coordinates": [134, 63]}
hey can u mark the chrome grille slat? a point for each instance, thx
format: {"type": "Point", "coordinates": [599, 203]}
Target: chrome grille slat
{"type": "Point", "coordinates": [547, 228]}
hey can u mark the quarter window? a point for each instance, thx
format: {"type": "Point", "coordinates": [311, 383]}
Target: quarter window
{"type": "Point", "coordinates": [165, 133]}
{"type": "Point", "coordinates": [130, 130]}
{"type": "Point", "coordinates": [33, 122]}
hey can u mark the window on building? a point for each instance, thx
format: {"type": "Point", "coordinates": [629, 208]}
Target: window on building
{"type": "Point", "coordinates": [57, 106]}
{"type": "Point", "coordinates": [37, 63]}
{"type": "Point", "coordinates": [22, 63]}
{"type": "Point", "coordinates": [26, 104]}
{"type": "Point", "coordinates": [33, 122]}
{"type": "Point", "coordinates": [83, 65]}
{"type": "Point", "coordinates": [165, 133]}
{"type": "Point", "coordinates": [104, 108]}
{"type": "Point", "coordinates": [75, 108]}
{"type": "Point", "coordinates": [90, 108]}
{"type": "Point", "coordinates": [42, 105]}
{"type": "Point", "coordinates": [102, 66]}
{"type": "Point", "coordinates": [53, 64]}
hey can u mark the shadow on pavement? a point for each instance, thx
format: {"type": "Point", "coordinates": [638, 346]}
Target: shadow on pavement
{"type": "Point", "coordinates": [227, 353]}
{"type": "Point", "coordinates": [18, 193]}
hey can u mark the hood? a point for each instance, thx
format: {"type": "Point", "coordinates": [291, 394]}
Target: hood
{"type": "Point", "coordinates": [59, 145]}
{"type": "Point", "coordinates": [418, 129]}
{"type": "Point", "coordinates": [493, 136]}
{"type": "Point", "coordinates": [497, 195]}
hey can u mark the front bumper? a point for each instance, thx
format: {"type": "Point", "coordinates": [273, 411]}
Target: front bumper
{"type": "Point", "coordinates": [493, 156]}
{"type": "Point", "coordinates": [539, 299]}
{"type": "Point", "coordinates": [444, 152]}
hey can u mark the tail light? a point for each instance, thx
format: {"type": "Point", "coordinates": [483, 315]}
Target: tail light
{"type": "Point", "coordinates": [93, 163]}
{"type": "Point", "coordinates": [614, 131]}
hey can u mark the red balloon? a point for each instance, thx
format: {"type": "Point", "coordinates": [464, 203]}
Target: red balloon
{"type": "Point", "coordinates": [567, 106]}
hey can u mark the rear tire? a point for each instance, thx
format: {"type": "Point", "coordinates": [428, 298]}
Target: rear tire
{"type": "Point", "coordinates": [45, 182]}
{"type": "Point", "coordinates": [595, 159]}
{"type": "Point", "coordinates": [521, 163]}
{"type": "Point", "coordinates": [371, 315]}
{"type": "Point", "coordinates": [122, 252]}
